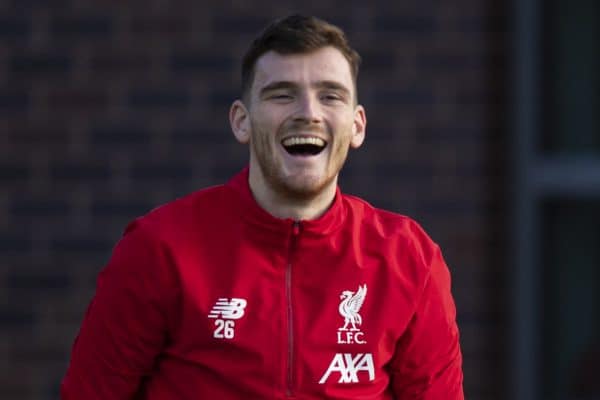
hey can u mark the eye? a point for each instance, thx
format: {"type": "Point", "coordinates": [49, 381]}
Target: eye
{"type": "Point", "coordinates": [280, 97]}
{"type": "Point", "coordinates": [332, 97]}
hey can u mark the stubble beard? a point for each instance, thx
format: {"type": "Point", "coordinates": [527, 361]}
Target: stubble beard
{"type": "Point", "coordinates": [295, 189]}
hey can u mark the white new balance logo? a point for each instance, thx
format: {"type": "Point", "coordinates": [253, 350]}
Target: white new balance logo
{"type": "Point", "coordinates": [228, 309]}
{"type": "Point", "coordinates": [349, 366]}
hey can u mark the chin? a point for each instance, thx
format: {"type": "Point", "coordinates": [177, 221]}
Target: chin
{"type": "Point", "coordinates": [306, 187]}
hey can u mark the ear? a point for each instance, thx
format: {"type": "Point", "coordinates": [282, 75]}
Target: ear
{"type": "Point", "coordinates": [359, 127]}
{"type": "Point", "coordinates": [239, 119]}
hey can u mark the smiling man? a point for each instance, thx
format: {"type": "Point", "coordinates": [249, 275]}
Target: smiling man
{"type": "Point", "coordinates": [300, 117]}
{"type": "Point", "coordinates": [275, 285]}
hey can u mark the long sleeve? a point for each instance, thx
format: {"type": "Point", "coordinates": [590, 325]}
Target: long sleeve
{"type": "Point", "coordinates": [427, 364]}
{"type": "Point", "coordinates": [125, 325]}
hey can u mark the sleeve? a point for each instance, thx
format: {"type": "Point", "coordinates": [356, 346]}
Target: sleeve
{"type": "Point", "coordinates": [427, 364]}
{"type": "Point", "coordinates": [125, 325]}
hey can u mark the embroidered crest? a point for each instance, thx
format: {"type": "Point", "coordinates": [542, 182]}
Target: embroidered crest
{"type": "Point", "coordinates": [349, 309]}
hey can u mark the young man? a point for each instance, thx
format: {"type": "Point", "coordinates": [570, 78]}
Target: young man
{"type": "Point", "coordinates": [275, 285]}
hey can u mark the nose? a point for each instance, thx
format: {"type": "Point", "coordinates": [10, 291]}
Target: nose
{"type": "Point", "coordinates": [309, 109]}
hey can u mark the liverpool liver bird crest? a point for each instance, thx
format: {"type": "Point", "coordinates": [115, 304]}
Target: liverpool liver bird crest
{"type": "Point", "coordinates": [350, 306]}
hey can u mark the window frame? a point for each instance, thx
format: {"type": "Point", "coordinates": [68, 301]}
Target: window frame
{"type": "Point", "coordinates": [534, 177]}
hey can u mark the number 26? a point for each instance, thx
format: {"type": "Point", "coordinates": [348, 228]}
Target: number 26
{"type": "Point", "coordinates": [224, 329]}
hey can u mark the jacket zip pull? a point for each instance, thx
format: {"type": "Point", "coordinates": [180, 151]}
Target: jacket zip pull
{"type": "Point", "coordinates": [296, 228]}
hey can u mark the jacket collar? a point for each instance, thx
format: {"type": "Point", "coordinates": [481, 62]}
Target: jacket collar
{"type": "Point", "coordinates": [251, 212]}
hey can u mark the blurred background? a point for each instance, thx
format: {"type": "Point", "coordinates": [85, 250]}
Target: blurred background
{"type": "Point", "coordinates": [483, 126]}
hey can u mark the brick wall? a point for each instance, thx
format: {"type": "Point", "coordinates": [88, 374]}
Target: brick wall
{"type": "Point", "coordinates": [108, 109]}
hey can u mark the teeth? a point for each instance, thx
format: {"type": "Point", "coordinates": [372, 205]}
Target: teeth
{"type": "Point", "coordinates": [292, 141]}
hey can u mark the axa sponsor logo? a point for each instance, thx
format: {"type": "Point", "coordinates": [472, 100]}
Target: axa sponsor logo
{"type": "Point", "coordinates": [350, 368]}
{"type": "Point", "coordinates": [226, 311]}
{"type": "Point", "coordinates": [349, 309]}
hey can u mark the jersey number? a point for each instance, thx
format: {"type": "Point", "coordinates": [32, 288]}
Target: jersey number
{"type": "Point", "coordinates": [224, 329]}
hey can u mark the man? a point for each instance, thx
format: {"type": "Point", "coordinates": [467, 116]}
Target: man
{"type": "Point", "coordinates": [275, 285]}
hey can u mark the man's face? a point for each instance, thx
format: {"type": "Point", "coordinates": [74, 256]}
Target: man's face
{"type": "Point", "coordinates": [302, 120]}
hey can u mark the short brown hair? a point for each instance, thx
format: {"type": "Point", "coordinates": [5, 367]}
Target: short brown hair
{"type": "Point", "coordinates": [293, 35]}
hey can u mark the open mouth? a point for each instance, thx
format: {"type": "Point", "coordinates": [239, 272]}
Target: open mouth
{"type": "Point", "coordinates": [303, 146]}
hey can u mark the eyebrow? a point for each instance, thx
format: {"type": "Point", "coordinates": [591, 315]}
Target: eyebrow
{"type": "Point", "coordinates": [291, 85]}
{"type": "Point", "coordinates": [277, 85]}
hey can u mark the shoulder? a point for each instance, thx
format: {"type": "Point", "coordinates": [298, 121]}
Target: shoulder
{"type": "Point", "coordinates": [387, 222]}
{"type": "Point", "coordinates": [393, 232]}
{"type": "Point", "coordinates": [177, 216]}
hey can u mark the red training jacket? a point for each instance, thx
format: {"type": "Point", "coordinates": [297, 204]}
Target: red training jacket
{"type": "Point", "coordinates": [211, 297]}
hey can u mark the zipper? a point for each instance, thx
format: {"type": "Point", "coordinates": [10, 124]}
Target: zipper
{"type": "Point", "coordinates": [290, 310]}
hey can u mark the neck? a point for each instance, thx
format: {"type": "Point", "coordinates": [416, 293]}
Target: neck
{"type": "Point", "coordinates": [285, 206]}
